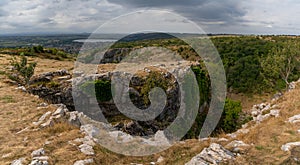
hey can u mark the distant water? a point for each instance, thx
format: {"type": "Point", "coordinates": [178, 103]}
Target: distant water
{"type": "Point", "coordinates": [95, 40]}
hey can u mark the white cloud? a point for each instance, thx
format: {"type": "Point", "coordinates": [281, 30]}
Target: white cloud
{"type": "Point", "coordinates": [279, 16]}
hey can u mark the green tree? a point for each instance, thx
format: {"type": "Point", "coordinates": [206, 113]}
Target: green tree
{"type": "Point", "coordinates": [281, 62]}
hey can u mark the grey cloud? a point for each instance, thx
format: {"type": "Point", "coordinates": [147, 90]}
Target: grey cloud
{"type": "Point", "coordinates": [197, 10]}
{"type": "Point", "coordinates": [2, 13]}
{"type": "Point", "coordinates": [158, 3]}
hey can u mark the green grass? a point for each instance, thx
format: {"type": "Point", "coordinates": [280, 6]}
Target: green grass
{"type": "Point", "coordinates": [7, 99]}
{"type": "Point", "coordinates": [2, 72]}
{"type": "Point", "coordinates": [259, 148]}
{"type": "Point", "coordinates": [291, 132]}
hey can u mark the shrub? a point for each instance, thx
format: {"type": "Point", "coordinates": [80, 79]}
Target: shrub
{"type": "Point", "coordinates": [155, 79]}
{"type": "Point", "coordinates": [230, 118]}
{"type": "Point", "coordinates": [22, 70]}
{"type": "Point", "coordinates": [101, 87]}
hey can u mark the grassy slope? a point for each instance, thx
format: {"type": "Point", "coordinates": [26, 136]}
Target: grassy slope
{"type": "Point", "coordinates": [18, 110]}
{"type": "Point", "coordinates": [270, 135]}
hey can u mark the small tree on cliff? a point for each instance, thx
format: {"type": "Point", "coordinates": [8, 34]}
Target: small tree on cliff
{"type": "Point", "coordinates": [281, 62]}
{"type": "Point", "coordinates": [22, 71]}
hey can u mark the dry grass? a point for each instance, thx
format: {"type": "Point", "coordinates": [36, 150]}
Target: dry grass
{"type": "Point", "coordinates": [18, 110]}
{"type": "Point", "coordinates": [268, 137]}
{"type": "Point", "coordinates": [249, 101]}
{"type": "Point", "coordinates": [178, 154]}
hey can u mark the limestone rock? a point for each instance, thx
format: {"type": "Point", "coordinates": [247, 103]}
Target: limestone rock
{"type": "Point", "coordinates": [261, 112]}
{"type": "Point", "coordinates": [19, 161]}
{"type": "Point", "coordinates": [42, 118]}
{"type": "Point", "coordinates": [237, 146]}
{"type": "Point", "coordinates": [294, 157]}
{"type": "Point", "coordinates": [294, 119]}
{"type": "Point", "coordinates": [86, 149]}
{"type": "Point", "coordinates": [39, 162]}
{"type": "Point", "coordinates": [288, 146]}
{"type": "Point", "coordinates": [161, 138]}
{"type": "Point", "coordinates": [84, 162]}
{"type": "Point", "coordinates": [21, 88]}
{"type": "Point", "coordinates": [277, 96]}
{"type": "Point", "coordinates": [43, 105]}
{"type": "Point", "coordinates": [292, 86]}
{"type": "Point", "coordinates": [61, 110]}
{"type": "Point", "coordinates": [89, 130]}
{"type": "Point", "coordinates": [214, 154]}
{"type": "Point", "coordinates": [48, 123]}
{"type": "Point", "coordinates": [160, 159]}
{"type": "Point", "coordinates": [275, 112]}
{"type": "Point", "coordinates": [222, 140]}
{"type": "Point", "coordinates": [120, 136]}
{"type": "Point", "coordinates": [74, 119]}
{"type": "Point", "coordinates": [38, 152]}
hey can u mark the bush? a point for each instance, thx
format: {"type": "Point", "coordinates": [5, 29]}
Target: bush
{"type": "Point", "coordinates": [155, 79]}
{"type": "Point", "coordinates": [101, 87]}
{"type": "Point", "coordinates": [22, 71]}
{"type": "Point", "coordinates": [230, 118]}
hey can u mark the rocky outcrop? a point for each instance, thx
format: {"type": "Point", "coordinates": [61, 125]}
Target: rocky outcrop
{"type": "Point", "coordinates": [214, 154]}
{"type": "Point", "coordinates": [62, 114]}
{"type": "Point", "coordinates": [115, 55]}
{"type": "Point", "coordinates": [53, 87]}
{"type": "Point", "coordinates": [38, 157]}
{"type": "Point", "coordinates": [56, 88]}
{"type": "Point", "coordinates": [261, 112]}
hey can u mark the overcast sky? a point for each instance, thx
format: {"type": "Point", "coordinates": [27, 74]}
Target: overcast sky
{"type": "Point", "coordinates": [213, 16]}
